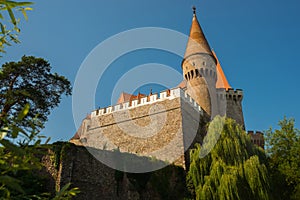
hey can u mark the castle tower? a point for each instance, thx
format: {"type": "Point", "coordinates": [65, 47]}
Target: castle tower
{"type": "Point", "coordinates": [199, 69]}
{"type": "Point", "coordinates": [229, 100]}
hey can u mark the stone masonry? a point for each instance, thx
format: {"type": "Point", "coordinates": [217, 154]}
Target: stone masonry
{"type": "Point", "coordinates": [161, 126]}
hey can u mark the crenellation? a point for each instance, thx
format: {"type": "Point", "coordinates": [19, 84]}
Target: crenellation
{"type": "Point", "coordinates": [236, 95]}
{"type": "Point", "coordinates": [117, 107]}
{"type": "Point", "coordinates": [134, 103]}
{"type": "Point", "coordinates": [144, 100]}
{"type": "Point", "coordinates": [125, 105]}
{"type": "Point", "coordinates": [169, 94]}
{"type": "Point", "coordinates": [163, 95]}
{"type": "Point", "coordinates": [153, 97]}
{"type": "Point", "coordinates": [257, 138]}
{"type": "Point", "coordinates": [109, 109]}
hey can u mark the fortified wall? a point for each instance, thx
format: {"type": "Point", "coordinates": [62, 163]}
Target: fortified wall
{"type": "Point", "coordinates": [67, 163]}
{"type": "Point", "coordinates": [257, 137]}
{"type": "Point", "coordinates": [230, 104]}
{"type": "Point", "coordinates": [160, 125]}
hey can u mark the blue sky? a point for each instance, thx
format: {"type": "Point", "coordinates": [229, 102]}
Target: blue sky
{"type": "Point", "coordinates": [256, 42]}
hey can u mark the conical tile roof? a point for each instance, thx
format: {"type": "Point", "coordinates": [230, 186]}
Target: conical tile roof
{"type": "Point", "coordinates": [222, 80]}
{"type": "Point", "coordinates": [197, 42]}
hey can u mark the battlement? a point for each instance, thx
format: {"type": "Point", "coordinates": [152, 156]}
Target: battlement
{"type": "Point", "coordinates": [257, 137]}
{"type": "Point", "coordinates": [232, 94]}
{"type": "Point", "coordinates": [257, 133]}
{"type": "Point", "coordinates": [162, 96]}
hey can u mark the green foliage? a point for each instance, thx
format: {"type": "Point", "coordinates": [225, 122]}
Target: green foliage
{"type": "Point", "coordinates": [66, 193]}
{"type": "Point", "coordinates": [9, 28]}
{"type": "Point", "coordinates": [17, 164]}
{"type": "Point", "coordinates": [28, 92]}
{"type": "Point", "coordinates": [234, 169]}
{"type": "Point", "coordinates": [283, 147]}
{"type": "Point", "coordinates": [29, 83]}
{"type": "Point", "coordinates": [57, 149]}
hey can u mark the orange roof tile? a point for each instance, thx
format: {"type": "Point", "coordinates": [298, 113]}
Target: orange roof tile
{"type": "Point", "coordinates": [182, 84]}
{"type": "Point", "coordinates": [197, 42]}
{"type": "Point", "coordinates": [124, 97]}
{"type": "Point", "coordinates": [222, 80]}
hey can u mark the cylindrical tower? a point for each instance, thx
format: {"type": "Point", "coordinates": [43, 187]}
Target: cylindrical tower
{"type": "Point", "coordinates": [199, 69]}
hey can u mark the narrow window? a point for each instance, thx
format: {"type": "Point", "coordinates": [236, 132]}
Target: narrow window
{"type": "Point", "coordinates": [197, 72]}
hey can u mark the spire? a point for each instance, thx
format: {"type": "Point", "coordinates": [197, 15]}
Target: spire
{"type": "Point", "coordinates": [197, 42]}
{"type": "Point", "coordinates": [194, 10]}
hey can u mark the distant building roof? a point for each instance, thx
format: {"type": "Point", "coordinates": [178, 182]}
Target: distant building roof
{"type": "Point", "coordinates": [125, 97]}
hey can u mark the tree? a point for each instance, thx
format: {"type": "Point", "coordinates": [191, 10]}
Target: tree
{"type": "Point", "coordinates": [234, 169]}
{"type": "Point", "coordinates": [283, 148]}
{"type": "Point", "coordinates": [28, 92]}
{"type": "Point", "coordinates": [9, 31]}
{"type": "Point", "coordinates": [30, 83]}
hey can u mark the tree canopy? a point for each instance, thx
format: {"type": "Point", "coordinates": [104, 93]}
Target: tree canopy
{"type": "Point", "coordinates": [234, 169]}
{"type": "Point", "coordinates": [28, 92]}
{"type": "Point", "coordinates": [283, 149]}
{"type": "Point", "coordinates": [30, 83]}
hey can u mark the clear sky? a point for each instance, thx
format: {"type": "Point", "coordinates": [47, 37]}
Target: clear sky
{"type": "Point", "coordinates": [257, 43]}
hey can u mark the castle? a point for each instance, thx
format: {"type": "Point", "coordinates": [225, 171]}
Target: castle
{"type": "Point", "coordinates": [165, 125]}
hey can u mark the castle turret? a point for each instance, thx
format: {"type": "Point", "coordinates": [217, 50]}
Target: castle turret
{"type": "Point", "coordinates": [229, 100]}
{"type": "Point", "coordinates": [199, 69]}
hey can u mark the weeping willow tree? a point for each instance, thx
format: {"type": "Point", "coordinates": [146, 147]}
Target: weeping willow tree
{"type": "Point", "coordinates": [233, 169]}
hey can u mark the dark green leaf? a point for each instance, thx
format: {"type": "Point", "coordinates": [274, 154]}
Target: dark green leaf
{"type": "Point", "coordinates": [24, 112]}
{"type": "Point", "coordinates": [12, 16]}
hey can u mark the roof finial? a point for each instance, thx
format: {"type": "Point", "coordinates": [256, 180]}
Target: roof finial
{"type": "Point", "coordinates": [194, 10]}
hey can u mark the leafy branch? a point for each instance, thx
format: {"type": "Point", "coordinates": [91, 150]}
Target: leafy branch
{"type": "Point", "coordinates": [9, 29]}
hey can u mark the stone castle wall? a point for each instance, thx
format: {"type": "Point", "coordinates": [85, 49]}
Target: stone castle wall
{"type": "Point", "coordinates": [161, 127]}
{"type": "Point", "coordinates": [230, 104]}
{"type": "Point", "coordinates": [234, 106]}
{"type": "Point", "coordinates": [67, 163]}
